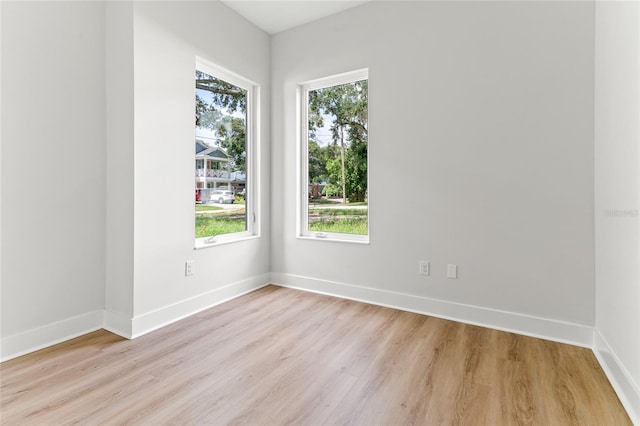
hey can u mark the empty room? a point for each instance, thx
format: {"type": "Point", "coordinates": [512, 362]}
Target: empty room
{"type": "Point", "coordinates": [396, 212]}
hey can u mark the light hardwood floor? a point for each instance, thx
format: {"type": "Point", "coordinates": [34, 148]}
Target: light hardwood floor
{"type": "Point", "coordinates": [281, 356]}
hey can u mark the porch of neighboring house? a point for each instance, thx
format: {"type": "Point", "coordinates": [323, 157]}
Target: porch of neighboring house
{"type": "Point", "coordinates": [213, 170]}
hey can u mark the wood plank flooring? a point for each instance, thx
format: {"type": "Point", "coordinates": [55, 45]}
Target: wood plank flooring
{"type": "Point", "coordinates": [285, 357]}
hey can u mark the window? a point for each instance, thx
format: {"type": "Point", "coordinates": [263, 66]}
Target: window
{"type": "Point", "coordinates": [225, 146]}
{"type": "Point", "coordinates": [334, 193]}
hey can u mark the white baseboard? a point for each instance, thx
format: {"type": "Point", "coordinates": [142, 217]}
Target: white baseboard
{"type": "Point", "coordinates": [559, 331]}
{"type": "Point", "coordinates": [117, 323]}
{"type": "Point", "coordinates": [41, 337]}
{"type": "Point", "coordinates": [145, 323]}
{"type": "Point", "coordinates": [628, 391]}
{"type": "Point", "coordinates": [50, 334]}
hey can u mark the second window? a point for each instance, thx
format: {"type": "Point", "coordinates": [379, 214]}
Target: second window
{"type": "Point", "coordinates": [334, 160]}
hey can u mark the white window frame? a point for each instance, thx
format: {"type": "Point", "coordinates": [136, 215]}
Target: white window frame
{"type": "Point", "coordinates": [252, 195]}
{"type": "Point", "coordinates": [302, 223]}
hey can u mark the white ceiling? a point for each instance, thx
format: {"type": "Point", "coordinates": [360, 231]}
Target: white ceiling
{"type": "Point", "coordinates": [275, 16]}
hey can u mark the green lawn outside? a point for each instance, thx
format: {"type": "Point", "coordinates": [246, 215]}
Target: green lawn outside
{"type": "Point", "coordinates": [206, 207]}
{"type": "Point", "coordinates": [209, 226]}
{"type": "Point", "coordinates": [339, 219]}
{"type": "Point", "coordinates": [321, 219]}
{"type": "Point", "coordinates": [337, 212]}
{"type": "Point", "coordinates": [216, 221]}
{"type": "Point", "coordinates": [335, 202]}
{"type": "Point", "coordinates": [341, 225]}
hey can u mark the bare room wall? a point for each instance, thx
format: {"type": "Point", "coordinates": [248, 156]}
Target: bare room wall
{"type": "Point", "coordinates": [53, 171]}
{"type": "Point", "coordinates": [168, 36]}
{"type": "Point", "coordinates": [617, 197]}
{"type": "Point", "coordinates": [480, 155]}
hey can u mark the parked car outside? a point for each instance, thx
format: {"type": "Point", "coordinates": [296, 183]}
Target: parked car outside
{"type": "Point", "coordinates": [222, 196]}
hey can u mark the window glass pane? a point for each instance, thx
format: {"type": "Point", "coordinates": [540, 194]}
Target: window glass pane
{"type": "Point", "coordinates": [337, 144]}
{"type": "Point", "coordinates": [221, 157]}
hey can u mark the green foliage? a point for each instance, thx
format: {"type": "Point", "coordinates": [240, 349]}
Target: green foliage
{"type": "Point", "coordinates": [318, 158]}
{"type": "Point", "coordinates": [233, 140]}
{"type": "Point", "coordinates": [217, 115]}
{"type": "Point", "coordinates": [345, 161]}
{"type": "Point", "coordinates": [225, 95]}
{"type": "Point", "coordinates": [356, 172]}
{"type": "Point", "coordinates": [334, 168]}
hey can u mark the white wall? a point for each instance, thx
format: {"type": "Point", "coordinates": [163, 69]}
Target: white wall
{"type": "Point", "coordinates": [53, 170]}
{"type": "Point", "coordinates": [481, 154]}
{"type": "Point", "coordinates": [97, 166]}
{"type": "Point", "coordinates": [617, 197]}
{"type": "Point", "coordinates": [119, 166]}
{"type": "Point", "coordinates": [167, 38]}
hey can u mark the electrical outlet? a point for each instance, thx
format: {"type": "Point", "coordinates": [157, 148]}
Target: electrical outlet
{"type": "Point", "coordinates": [189, 268]}
{"type": "Point", "coordinates": [452, 271]}
{"type": "Point", "coordinates": [423, 267]}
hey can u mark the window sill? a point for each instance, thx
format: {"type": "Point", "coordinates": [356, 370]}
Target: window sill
{"type": "Point", "coordinates": [202, 244]}
{"type": "Point", "coordinates": [335, 238]}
